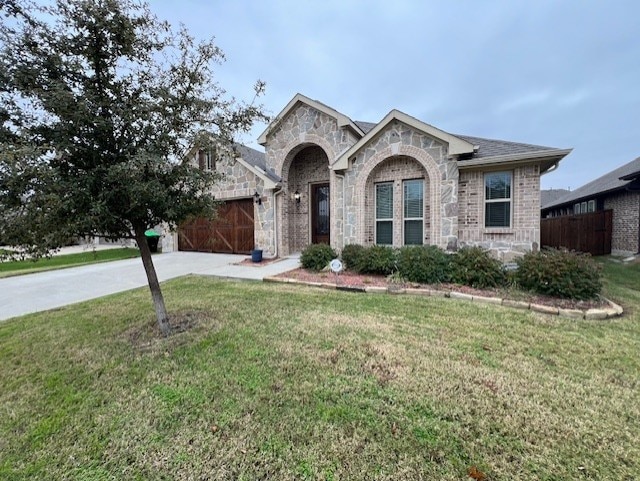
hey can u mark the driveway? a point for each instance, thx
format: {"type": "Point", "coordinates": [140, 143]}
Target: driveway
{"type": "Point", "coordinates": [47, 290]}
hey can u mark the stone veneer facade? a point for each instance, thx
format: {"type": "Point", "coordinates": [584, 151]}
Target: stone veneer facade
{"type": "Point", "coordinates": [302, 147]}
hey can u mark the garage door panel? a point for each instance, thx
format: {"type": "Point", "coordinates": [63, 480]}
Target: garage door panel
{"type": "Point", "coordinates": [231, 232]}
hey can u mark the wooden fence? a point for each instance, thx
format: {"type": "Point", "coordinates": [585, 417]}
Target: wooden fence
{"type": "Point", "coordinates": [584, 232]}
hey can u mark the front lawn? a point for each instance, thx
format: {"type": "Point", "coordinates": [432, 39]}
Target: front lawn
{"type": "Point", "coordinates": [288, 382]}
{"type": "Point", "coordinates": [14, 268]}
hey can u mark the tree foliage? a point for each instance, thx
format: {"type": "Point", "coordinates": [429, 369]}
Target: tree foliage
{"type": "Point", "coordinates": [99, 101]}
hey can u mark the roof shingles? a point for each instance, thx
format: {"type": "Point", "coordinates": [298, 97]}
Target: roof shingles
{"type": "Point", "coordinates": [607, 183]}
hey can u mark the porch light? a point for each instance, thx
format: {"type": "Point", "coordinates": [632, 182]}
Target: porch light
{"type": "Point", "coordinates": [257, 198]}
{"type": "Point", "coordinates": [296, 196]}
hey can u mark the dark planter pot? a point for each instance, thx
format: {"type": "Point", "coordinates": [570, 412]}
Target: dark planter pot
{"type": "Point", "coordinates": [256, 255]}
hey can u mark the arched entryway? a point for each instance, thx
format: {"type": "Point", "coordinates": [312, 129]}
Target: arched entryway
{"type": "Point", "coordinates": [306, 210]}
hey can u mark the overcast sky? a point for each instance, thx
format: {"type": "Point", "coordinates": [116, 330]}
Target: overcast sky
{"type": "Point", "coordinates": [557, 73]}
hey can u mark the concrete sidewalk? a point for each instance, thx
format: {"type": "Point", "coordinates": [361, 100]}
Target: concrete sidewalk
{"type": "Point", "coordinates": [47, 290]}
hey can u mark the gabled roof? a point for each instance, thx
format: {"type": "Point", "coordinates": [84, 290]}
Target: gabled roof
{"type": "Point", "coordinates": [489, 151]}
{"type": "Point", "coordinates": [617, 179]}
{"type": "Point", "coordinates": [492, 148]}
{"type": "Point", "coordinates": [254, 160]}
{"type": "Point", "coordinates": [457, 146]}
{"type": "Point", "coordinates": [343, 120]}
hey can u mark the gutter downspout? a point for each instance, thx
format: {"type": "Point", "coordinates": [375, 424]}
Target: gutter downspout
{"type": "Point", "coordinates": [341, 176]}
{"type": "Point", "coordinates": [275, 221]}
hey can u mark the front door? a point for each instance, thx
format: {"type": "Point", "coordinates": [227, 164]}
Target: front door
{"type": "Point", "coordinates": [320, 220]}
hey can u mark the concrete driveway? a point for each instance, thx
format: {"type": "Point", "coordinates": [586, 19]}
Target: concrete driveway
{"type": "Point", "coordinates": [47, 290]}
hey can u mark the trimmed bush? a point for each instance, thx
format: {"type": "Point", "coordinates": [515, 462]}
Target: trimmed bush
{"type": "Point", "coordinates": [474, 266]}
{"type": "Point", "coordinates": [560, 273]}
{"type": "Point", "coordinates": [424, 264]}
{"type": "Point", "coordinates": [378, 260]}
{"type": "Point", "coordinates": [317, 256]}
{"type": "Point", "coordinates": [352, 257]}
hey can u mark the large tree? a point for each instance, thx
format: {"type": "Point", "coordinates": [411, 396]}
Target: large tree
{"type": "Point", "coordinates": [99, 101]}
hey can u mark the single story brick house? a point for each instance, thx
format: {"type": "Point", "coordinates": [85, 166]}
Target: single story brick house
{"type": "Point", "coordinates": [324, 178]}
{"type": "Point", "coordinates": [618, 191]}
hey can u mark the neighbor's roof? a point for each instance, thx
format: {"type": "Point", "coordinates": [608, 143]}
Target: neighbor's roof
{"type": "Point", "coordinates": [547, 196]}
{"type": "Point", "coordinates": [615, 180]}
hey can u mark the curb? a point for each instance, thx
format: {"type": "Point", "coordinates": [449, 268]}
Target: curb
{"type": "Point", "coordinates": [614, 310]}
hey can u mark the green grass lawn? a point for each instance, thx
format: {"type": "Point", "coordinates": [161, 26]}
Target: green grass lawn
{"type": "Point", "coordinates": [285, 382]}
{"type": "Point", "coordinates": [14, 268]}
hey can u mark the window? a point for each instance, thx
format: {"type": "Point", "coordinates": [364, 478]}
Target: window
{"type": "Point", "coordinates": [413, 200]}
{"type": "Point", "coordinates": [576, 208]}
{"type": "Point", "coordinates": [205, 160]}
{"type": "Point", "coordinates": [591, 207]}
{"type": "Point", "coordinates": [497, 199]}
{"type": "Point", "coordinates": [384, 213]}
{"type": "Point", "coordinates": [583, 207]}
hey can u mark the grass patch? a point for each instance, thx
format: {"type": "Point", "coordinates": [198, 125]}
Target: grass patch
{"type": "Point", "coordinates": [286, 382]}
{"type": "Point", "coordinates": [15, 268]}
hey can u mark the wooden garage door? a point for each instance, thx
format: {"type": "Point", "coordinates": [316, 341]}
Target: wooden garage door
{"type": "Point", "coordinates": [231, 232]}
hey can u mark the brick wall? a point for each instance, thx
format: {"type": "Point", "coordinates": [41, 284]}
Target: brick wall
{"type": "Point", "coordinates": [505, 243]}
{"type": "Point", "coordinates": [626, 221]}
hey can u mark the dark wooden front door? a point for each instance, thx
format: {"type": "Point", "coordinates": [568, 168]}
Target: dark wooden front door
{"type": "Point", "coordinates": [320, 219]}
{"type": "Point", "coordinates": [231, 232]}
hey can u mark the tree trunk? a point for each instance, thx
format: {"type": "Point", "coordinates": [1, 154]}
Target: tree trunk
{"type": "Point", "coordinates": [152, 278]}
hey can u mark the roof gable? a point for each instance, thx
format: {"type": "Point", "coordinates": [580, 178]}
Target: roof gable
{"type": "Point", "coordinates": [457, 145]}
{"type": "Point", "coordinates": [343, 120]}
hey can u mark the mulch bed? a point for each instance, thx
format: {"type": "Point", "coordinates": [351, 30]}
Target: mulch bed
{"type": "Point", "coordinates": [350, 279]}
{"type": "Point", "coordinates": [264, 262]}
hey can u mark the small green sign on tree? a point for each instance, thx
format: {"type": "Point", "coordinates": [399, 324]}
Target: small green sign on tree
{"type": "Point", "coordinates": [99, 101]}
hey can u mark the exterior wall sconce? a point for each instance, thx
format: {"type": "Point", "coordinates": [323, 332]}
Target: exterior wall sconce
{"type": "Point", "coordinates": [296, 196]}
{"type": "Point", "coordinates": [257, 198]}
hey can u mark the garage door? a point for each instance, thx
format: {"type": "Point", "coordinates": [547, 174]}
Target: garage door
{"type": "Point", "coordinates": [231, 232]}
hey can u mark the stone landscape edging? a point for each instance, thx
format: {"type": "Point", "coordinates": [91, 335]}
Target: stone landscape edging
{"type": "Point", "coordinates": [614, 310]}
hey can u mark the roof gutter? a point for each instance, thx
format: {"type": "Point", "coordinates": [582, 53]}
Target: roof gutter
{"type": "Point", "coordinates": [509, 158]}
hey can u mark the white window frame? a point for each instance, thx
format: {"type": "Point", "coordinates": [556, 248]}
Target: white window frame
{"type": "Point", "coordinates": [591, 206]}
{"type": "Point", "coordinates": [405, 219]}
{"type": "Point", "coordinates": [505, 199]}
{"type": "Point", "coordinates": [375, 208]}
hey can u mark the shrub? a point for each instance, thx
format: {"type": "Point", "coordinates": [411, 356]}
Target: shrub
{"type": "Point", "coordinates": [317, 256]}
{"type": "Point", "coordinates": [424, 264]}
{"type": "Point", "coordinates": [378, 260]}
{"type": "Point", "coordinates": [352, 257]}
{"type": "Point", "coordinates": [474, 266]}
{"type": "Point", "coordinates": [560, 273]}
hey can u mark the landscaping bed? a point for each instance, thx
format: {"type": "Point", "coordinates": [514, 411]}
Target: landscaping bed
{"type": "Point", "coordinates": [599, 308]}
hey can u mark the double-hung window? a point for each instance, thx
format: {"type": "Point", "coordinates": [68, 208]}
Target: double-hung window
{"type": "Point", "coordinates": [497, 198]}
{"type": "Point", "coordinates": [413, 208]}
{"type": "Point", "coordinates": [384, 213]}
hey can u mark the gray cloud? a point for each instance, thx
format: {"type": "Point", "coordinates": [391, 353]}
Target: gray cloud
{"type": "Point", "coordinates": [559, 73]}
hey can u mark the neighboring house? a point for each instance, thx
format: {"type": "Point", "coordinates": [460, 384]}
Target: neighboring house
{"type": "Point", "coordinates": [619, 191]}
{"type": "Point", "coordinates": [549, 196]}
{"type": "Point", "coordinates": [327, 179]}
